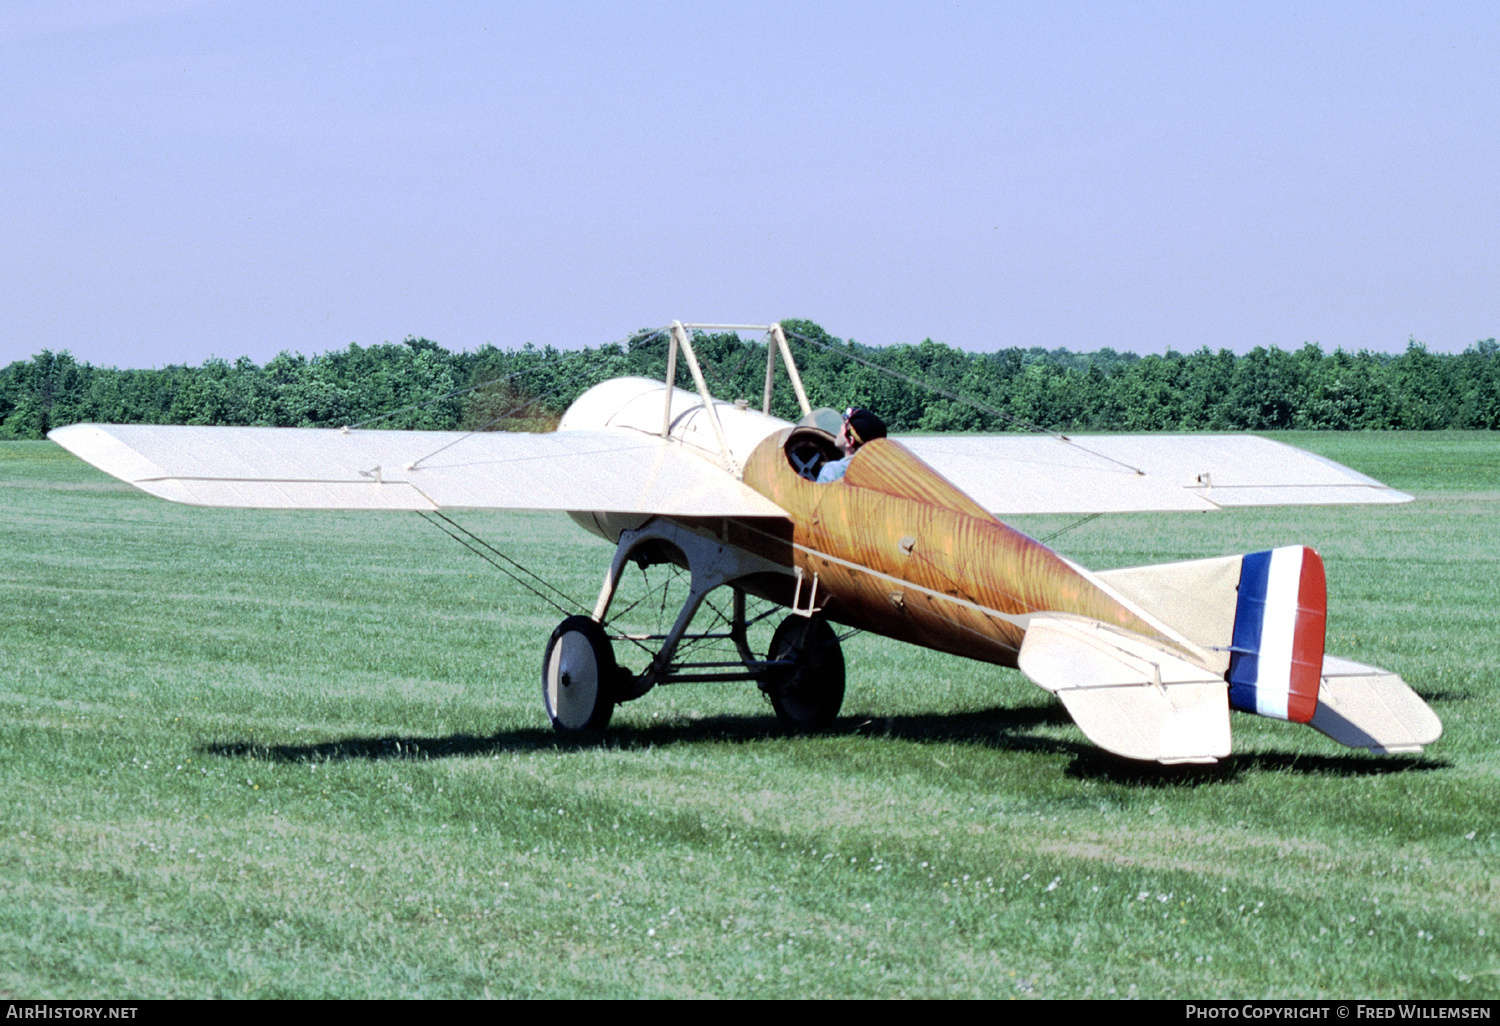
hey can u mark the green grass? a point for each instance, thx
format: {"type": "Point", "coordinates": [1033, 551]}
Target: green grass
{"type": "Point", "coordinates": [303, 755]}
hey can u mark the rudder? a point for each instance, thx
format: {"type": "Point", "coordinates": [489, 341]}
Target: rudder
{"type": "Point", "coordinates": [1280, 622]}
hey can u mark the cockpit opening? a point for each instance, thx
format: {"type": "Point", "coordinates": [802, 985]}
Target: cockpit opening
{"type": "Point", "coordinates": [808, 448]}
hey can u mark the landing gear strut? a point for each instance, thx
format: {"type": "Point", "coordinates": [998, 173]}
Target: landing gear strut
{"type": "Point", "coordinates": [802, 673]}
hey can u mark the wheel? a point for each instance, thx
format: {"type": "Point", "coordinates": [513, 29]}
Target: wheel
{"type": "Point", "coordinates": [578, 677]}
{"type": "Point", "coordinates": [806, 696]}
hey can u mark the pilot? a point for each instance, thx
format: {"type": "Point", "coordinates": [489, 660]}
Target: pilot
{"type": "Point", "coordinates": [860, 426]}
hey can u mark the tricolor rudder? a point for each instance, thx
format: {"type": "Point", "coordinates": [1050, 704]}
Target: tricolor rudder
{"type": "Point", "coordinates": [1276, 659]}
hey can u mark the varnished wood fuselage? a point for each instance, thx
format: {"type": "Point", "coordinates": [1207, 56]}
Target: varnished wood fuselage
{"type": "Point", "coordinates": [898, 550]}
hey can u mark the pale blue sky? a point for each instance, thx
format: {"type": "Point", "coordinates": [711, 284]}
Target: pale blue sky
{"type": "Point", "coordinates": [186, 178]}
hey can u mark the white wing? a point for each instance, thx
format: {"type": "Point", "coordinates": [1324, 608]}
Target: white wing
{"type": "Point", "coordinates": [626, 471]}
{"type": "Point", "coordinates": [617, 471]}
{"type": "Point", "coordinates": [1013, 474]}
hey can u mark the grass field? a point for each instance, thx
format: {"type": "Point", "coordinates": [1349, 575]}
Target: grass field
{"type": "Point", "coordinates": [303, 755]}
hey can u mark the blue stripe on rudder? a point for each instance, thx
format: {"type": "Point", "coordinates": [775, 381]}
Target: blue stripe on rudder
{"type": "Point", "coordinates": [1249, 618]}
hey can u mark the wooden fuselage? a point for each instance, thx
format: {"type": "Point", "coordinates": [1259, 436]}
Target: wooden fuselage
{"type": "Point", "coordinates": [898, 550]}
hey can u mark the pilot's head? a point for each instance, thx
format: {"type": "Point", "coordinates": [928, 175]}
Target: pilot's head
{"type": "Point", "coordinates": [860, 426]}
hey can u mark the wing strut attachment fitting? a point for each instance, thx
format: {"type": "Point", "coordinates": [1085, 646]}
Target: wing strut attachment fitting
{"type": "Point", "coordinates": [812, 608]}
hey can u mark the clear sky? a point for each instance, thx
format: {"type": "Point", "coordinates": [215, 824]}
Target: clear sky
{"type": "Point", "coordinates": [187, 178]}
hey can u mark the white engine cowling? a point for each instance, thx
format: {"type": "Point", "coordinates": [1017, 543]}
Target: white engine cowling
{"type": "Point", "coordinates": [637, 404]}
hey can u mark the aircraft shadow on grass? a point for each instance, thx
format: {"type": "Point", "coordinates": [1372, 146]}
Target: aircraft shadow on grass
{"type": "Point", "coordinates": [999, 728]}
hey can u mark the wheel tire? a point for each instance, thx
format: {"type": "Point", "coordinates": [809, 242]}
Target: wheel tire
{"type": "Point", "coordinates": [808, 695]}
{"type": "Point", "coordinates": [578, 677]}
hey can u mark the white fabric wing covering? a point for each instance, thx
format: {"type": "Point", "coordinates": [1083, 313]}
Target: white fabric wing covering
{"type": "Point", "coordinates": [1015, 474]}
{"type": "Point", "coordinates": [309, 468]}
{"type": "Point", "coordinates": [626, 471]}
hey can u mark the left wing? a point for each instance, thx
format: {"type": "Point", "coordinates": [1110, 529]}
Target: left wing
{"type": "Point", "coordinates": [1014, 474]}
{"type": "Point", "coordinates": [616, 471]}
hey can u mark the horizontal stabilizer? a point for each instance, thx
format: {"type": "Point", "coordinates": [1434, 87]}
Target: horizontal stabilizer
{"type": "Point", "coordinates": [1130, 695]}
{"type": "Point", "coordinates": [1366, 707]}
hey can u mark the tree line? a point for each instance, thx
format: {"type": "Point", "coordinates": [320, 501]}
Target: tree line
{"type": "Point", "coordinates": [419, 384]}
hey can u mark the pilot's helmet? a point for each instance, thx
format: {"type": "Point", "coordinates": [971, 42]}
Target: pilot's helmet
{"type": "Point", "coordinates": [864, 426]}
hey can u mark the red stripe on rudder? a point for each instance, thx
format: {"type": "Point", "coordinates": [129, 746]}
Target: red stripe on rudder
{"type": "Point", "coordinates": [1308, 637]}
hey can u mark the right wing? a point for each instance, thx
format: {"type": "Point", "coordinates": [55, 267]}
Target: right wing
{"type": "Point", "coordinates": [615, 471]}
{"type": "Point", "coordinates": [1014, 474]}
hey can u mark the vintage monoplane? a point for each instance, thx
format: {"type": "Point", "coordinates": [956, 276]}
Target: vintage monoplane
{"type": "Point", "coordinates": [1148, 661]}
